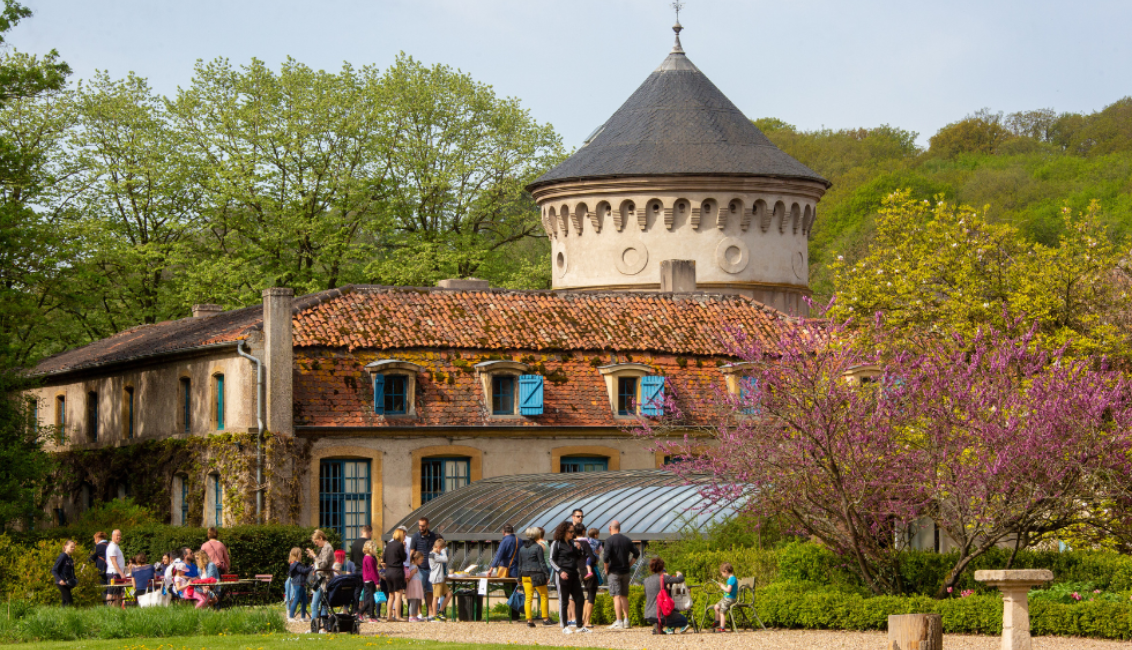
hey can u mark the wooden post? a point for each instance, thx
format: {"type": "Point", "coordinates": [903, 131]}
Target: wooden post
{"type": "Point", "coordinates": [915, 632]}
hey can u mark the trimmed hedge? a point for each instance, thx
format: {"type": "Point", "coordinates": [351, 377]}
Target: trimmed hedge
{"type": "Point", "coordinates": [922, 572]}
{"type": "Point", "coordinates": [254, 549]}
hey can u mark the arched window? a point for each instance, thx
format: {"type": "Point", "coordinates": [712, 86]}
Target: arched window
{"type": "Point", "coordinates": [216, 496]}
{"type": "Point", "coordinates": [60, 418]}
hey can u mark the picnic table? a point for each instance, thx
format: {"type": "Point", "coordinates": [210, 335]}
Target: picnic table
{"type": "Point", "coordinates": [496, 583]}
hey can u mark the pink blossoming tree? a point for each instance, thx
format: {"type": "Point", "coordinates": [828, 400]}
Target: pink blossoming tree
{"type": "Point", "coordinates": [993, 438]}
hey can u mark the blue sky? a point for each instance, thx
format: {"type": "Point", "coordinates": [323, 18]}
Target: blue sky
{"type": "Point", "coordinates": [813, 63]}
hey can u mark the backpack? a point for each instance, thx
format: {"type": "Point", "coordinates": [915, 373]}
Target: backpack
{"type": "Point", "coordinates": [664, 604]}
{"type": "Point", "coordinates": [681, 597]}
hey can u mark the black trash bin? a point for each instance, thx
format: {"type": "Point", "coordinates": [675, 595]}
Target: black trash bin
{"type": "Point", "coordinates": [469, 606]}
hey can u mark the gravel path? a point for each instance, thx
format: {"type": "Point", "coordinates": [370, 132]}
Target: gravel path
{"type": "Point", "coordinates": [639, 638]}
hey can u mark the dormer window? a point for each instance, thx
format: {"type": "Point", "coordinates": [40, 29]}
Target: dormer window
{"type": "Point", "coordinates": [634, 389]}
{"type": "Point", "coordinates": [394, 387]}
{"type": "Point", "coordinates": [508, 390]}
{"type": "Point", "coordinates": [741, 384]}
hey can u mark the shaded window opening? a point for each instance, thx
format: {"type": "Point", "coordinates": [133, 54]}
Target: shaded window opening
{"type": "Point", "coordinates": [394, 395]}
{"type": "Point", "coordinates": [220, 402]}
{"type": "Point", "coordinates": [503, 395]}
{"type": "Point", "coordinates": [575, 464]}
{"type": "Point", "coordinates": [626, 395]}
{"type": "Point", "coordinates": [92, 414]}
{"type": "Point", "coordinates": [440, 475]}
{"type": "Point", "coordinates": [186, 404]}
{"type": "Point", "coordinates": [344, 493]}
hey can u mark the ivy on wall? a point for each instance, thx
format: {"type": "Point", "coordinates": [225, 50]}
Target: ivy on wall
{"type": "Point", "coordinates": [146, 471]}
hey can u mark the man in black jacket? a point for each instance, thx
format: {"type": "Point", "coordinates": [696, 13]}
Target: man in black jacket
{"type": "Point", "coordinates": [620, 555]}
{"type": "Point", "coordinates": [64, 572]}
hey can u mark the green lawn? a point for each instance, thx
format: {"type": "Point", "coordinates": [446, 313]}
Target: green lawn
{"type": "Point", "coordinates": [264, 642]}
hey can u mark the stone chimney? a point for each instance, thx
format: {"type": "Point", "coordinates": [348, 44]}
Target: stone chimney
{"type": "Point", "coordinates": [470, 284]}
{"type": "Point", "coordinates": [277, 361]}
{"type": "Point", "coordinates": [678, 276]}
{"type": "Point", "coordinates": [206, 309]}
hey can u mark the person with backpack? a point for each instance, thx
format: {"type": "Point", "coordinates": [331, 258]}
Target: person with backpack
{"type": "Point", "coordinates": [659, 608]}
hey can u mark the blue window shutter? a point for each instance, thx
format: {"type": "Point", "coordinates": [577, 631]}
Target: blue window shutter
{"type": "Point", "coordinates": [652, 395]}
{"type": "Point", "coordinates": [530, 395]}
{"type": "Point", "coordinates": [379, 394]}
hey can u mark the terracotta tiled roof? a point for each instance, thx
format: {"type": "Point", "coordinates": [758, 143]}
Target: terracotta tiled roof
{"type": "Point", "coordinates": [370, 317]}
{"type": "Point", "coordinates": [332, 388]}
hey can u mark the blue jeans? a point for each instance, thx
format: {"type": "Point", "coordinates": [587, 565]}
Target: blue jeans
{"type": "Point", "coordinates": [297, 596]}
{"type": "Point", "coordinates": [318, 606]}
{"type": "Point", "coordinates": [425, 583]}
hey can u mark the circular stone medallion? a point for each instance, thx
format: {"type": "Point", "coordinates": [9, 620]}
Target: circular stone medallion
{"type": "Point", "coordinates": [633, 259]}
{"type": "Point", "coordinates": [799, 264]}
{"type": "Point", "coordinates": [732, 255]}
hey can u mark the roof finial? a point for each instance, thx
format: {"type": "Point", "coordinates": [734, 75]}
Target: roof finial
{"type": "Point", "coordinates": [677, 5]}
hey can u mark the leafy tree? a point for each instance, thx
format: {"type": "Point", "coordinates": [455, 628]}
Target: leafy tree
{"type": "Point", "coordinates": [946, 268]}
{"type": "Point", "coordinates": [26, 263]}
{"type": "Point", "coordinates": [461, 157]}
{"type": "Point", "coordinates": [981, 133]}
{"type": "Point", "coordinates": [991, 435]}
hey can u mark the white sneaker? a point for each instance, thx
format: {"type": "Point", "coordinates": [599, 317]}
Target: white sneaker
{"type": "Point", "coordinates": [567, 630]}
{"type": "Point", "coordinates": [625, 624]}
{"type": "Point", "coordinates": [584, 629]}
{"type": "Point", "coordinates": [616, 625]}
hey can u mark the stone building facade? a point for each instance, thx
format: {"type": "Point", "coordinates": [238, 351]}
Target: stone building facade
{"type": "Point", "coordinates": [675, 227]}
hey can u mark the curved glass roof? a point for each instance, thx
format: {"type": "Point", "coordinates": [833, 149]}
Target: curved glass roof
{"type": "Point", "coordinates": [650, 504]}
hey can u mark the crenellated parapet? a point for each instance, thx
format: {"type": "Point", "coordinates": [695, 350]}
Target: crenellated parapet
{"type": "Point", "coordinates": [747, 235]}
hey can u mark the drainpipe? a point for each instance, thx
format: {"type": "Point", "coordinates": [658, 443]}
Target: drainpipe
{"type": "Point", "coordinates": [259, 433]}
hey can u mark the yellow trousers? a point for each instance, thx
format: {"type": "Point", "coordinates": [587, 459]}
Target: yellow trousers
{"type": "Point", "coordinates": [543, 598]}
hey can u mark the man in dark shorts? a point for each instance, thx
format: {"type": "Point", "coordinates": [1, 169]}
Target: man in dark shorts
{"type": "Point", "coordinates": [620, 555]}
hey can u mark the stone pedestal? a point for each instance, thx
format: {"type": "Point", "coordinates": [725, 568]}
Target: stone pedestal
{"type": "Point", "coordinates": [1014, 586]}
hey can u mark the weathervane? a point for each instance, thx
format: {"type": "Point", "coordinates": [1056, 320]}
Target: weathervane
{"type": "Point", "coordinates": [677, 5]}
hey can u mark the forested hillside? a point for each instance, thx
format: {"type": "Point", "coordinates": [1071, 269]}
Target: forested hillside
{"type": "Point", "coordinates": [1024, 166]}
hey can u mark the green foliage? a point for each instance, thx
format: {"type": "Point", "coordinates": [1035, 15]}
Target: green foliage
{"type": "Point", "coordinates": [25, 572]}
{"type": "Point", "coordinates": [116, 513]}
{"type": "Point", "coordinates": [981, 133]}
{"type": "Point", "coordinates": [73, 624]}
{"type": "Point", "coordinates": [1073, 593]}
{"type": "Point", "coordinates": [703, 565]}
{"type": "Point", "coordinates": [254, 549]}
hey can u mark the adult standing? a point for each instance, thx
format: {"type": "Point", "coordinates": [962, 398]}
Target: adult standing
{"type": "Point", "coordinates": [533, 570]}
{"type": "Point", "coordinates": [422, 543]}
{"type": "Point", "coordinates": [505, 564]}
{"type": "Point", "coordinates": [588, 574]}
{"type": "Point", "coordinates": [566, 559]}
{"type": "Point", "coordinates": [620, 555]}
{"type": "Point", "coordinates": [64, 572]}
{"type": "Point", "coordinates": [357, 548]}
{"type": "Point", "coordinates": [98, 555]}
{"type": "Point", "coordinates": [115, 565]}
{"type": "Point", "coordinates": [323, 570]}
{"type": "Point", "coordinates": [652, 591]}
{"type": "Point", "coordinates": [394, 559]}
{"type": "Point", "coordinates": [217, 552]}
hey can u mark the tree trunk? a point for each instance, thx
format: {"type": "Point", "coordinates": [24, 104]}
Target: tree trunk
{"type": "Point", "coordinates": [915, 632]}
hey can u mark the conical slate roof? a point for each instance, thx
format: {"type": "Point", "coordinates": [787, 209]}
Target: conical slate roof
{"type": "Point", "coordinates": [678, 123]}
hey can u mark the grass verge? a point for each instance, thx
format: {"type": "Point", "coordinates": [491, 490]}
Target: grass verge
{"type": "Point", "coordinates": [77, 624]}
{"type": "Point", "coordinates": [270, 641]}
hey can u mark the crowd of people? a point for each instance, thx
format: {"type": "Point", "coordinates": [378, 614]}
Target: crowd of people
{"type": "Point", "coordinates": [410, 575]}
{"type": "Point", "coordinates": [181, 573]}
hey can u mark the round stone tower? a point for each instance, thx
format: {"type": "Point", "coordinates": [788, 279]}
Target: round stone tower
{"type": "Point", "coordinates": [678, 173]}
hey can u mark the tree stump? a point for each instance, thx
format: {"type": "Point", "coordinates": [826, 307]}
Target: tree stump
{"type": "Point", "coordinates": [915, 632]}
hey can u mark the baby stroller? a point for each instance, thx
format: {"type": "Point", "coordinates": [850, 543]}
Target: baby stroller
{"type": "Point", "coordinates": [339, 594]}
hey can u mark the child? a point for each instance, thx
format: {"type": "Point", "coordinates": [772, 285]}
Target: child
{"type": "Point", "coordinates": [297, 573]}
{"type": "Point", "coordinates": [415, 591]}
{"type": "Point", "coordinates": [369, 610]}
{"type": "Point", "coordinates": [438, 559]}
{"type": "Point", "coordinates": [730, 587]}
{"type": "Point", "coordinates": [203, 595]}
{"type": "Point", "coordinates": [595, 546]}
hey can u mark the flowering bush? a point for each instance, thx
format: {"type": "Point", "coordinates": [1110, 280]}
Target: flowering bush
{"type": "Point", "coordinates": [1069, 593]}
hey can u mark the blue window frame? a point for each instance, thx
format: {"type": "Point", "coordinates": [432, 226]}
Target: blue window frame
{"type": "Point", "coordinates": [220, 402]}
{"type": "Point", "coordinates": [393, 395]}
{"type": "Point", "coordinates": [652, 395]}
{"type": "Point", "coordinates": [440, 475]}
{"type": "Point", "coordinates": [218, 501]}
{"type": "Point", "coordinates": [92, 414]}
{"type": "Point", "coordinates": [502, 395]}
{"type": "Point", "coordinates": [575, 464]}
{"type": "Point", "coordinates": [129, 412]}
{"type": "Point", "coordinates": [186, 404]}
{"type": "Point", "coordinates": [344, 497]}
{"type": "Point", "coordinates": [184, 501]}
{"type": "Point", "coordinates": [626, 395]}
